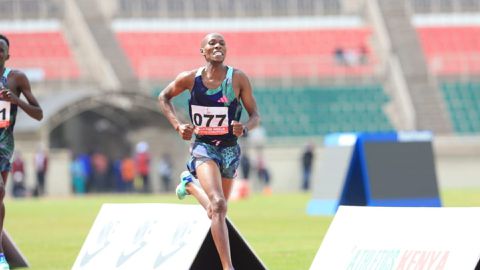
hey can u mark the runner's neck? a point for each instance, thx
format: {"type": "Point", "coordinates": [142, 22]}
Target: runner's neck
{"type": "Point", "coordinates": [211, 70]}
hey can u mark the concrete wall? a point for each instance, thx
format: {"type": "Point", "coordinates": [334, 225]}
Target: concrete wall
{"type": "Point", "coordinates": [57, 181]}
{"type": "Point", "coordinates": [457, 163]}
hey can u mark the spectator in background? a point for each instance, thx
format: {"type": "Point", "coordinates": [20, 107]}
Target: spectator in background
{"type": "Point", "coordinates": [352, 57]}
{"type": "Point", "coordinates": [79, 176]}
{"type": "Point", "coordinates": [128, 173]}
{"type": "Point", "coordinates": [100, 165]}
{"type": "Point", "coordinates": [241, 187]}
{"type": "Point", "coordinates": [41, 167]}
{"type": "Point", "coordinates": [263, 172]}
{"type": "Point", "coordinates": [18, 176]}
{"type": "Point", "coordinates": [165, 171]}
{"type": "Point", "coordinates": [142, 162]}
{"type": "Point", "coordinates": [307, 160]}
{"type": "Point", "coordinates": [339, 55]}
{"type": "Point", "coordinates": [363, 54]}
{"type": "Point", "coordinates": [245, 166]}
{"type": "Point", "coordinates": [85, 159]}
{"type": "Point", "coordinates": [117, 174]}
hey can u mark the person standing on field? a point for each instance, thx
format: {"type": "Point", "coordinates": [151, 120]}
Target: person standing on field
{"type": "Point", "coordinates": [41, 167]}
{"type": "Point", "coordinates": [307, 161]}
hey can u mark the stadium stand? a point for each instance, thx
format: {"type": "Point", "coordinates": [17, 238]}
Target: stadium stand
{"type": "Point", "coordinates": [309, 111]}
{"type": "Point", "coordinates": [153, 59]}
{"type": "Point", "coordinates": [463, 99]}
{"type": "Point", "coordinates": [451, 50]}
{"type": "Point", "coordinates": [40, 48]}
{"type": "Point", "coordinates": [22, 10]}
{"type": "Point", "coordinates": [226, 8]}
{"type": "Point", "coordinates": [451, 44]}
{"type": "Point", "coordinates": [39, 45]}
{"type": "Point", "coordinates": [44, 53]}
{"type": "Point", "coordinates": [444, 6]}
{"type": "Point", "coordinates": [312, 110]}
{"type": "Point", "coordinates": [275, 54]}
{"type": "Point", "coordinates": [269, 53]}
{"type": "Point", "coordinates": [296, 53]}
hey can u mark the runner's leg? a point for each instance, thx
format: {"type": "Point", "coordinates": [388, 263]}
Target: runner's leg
{"type": "Point", "coordinates": [211, 181]}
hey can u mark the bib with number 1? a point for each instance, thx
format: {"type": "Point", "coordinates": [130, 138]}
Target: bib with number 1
{"type": "Point", "coordinates": [4, 113]}
{"type": "Point", "coordinates": [210, 120]}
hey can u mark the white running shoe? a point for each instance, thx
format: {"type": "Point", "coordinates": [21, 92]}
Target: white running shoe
{"type": "Point", "coordinates": [181, 190]}
{"type": "Point", "coordinates": [3, 263]}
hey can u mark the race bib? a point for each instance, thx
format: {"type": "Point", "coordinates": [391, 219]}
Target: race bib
{"type": "Point", "coordinates": [210, 120]}
{"type": "Point", "coordinates": [4, 114]}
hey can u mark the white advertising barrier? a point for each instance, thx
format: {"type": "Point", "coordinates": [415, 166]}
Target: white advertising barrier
{"type": "Point", "coordinates": [401, 238]}
{"type": "Point", "coordinates": [122, 238]}
{"type": "Point", "coordinates": [158, 237]}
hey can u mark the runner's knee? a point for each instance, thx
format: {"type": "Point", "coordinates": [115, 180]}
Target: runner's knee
{"type": "Point", "coordinates": [219, 205]}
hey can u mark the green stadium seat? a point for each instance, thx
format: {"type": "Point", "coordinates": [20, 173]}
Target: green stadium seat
{"type": "Point", "coordinates": [315, 111]}
{"type": "Point", "coordinates": [462, 100]}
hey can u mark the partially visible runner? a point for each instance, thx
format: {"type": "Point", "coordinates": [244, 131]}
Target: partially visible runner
{"type": "Point", "coordinates": [14, 83]}
{"type": "Point", "coordinates": [217, 93]}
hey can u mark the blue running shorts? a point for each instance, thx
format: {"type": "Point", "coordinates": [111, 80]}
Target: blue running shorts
{"type": "Point", "coordinates": [5, 165]}
{"type": "Point", "coordinates": [226, 157]}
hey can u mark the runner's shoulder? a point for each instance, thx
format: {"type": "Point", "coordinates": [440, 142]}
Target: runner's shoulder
{"type": "Point", "coordinates": [237, 73]}
{"type": "Point", "coordinates": [16, 73]}
{"type": "Point", "coordinates": [184, 75]}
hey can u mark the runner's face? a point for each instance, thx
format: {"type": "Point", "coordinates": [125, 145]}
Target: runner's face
{"type": "Point", "coordinates": [3, 51]}
{"type": "Point", "coordinates": [214, 48]}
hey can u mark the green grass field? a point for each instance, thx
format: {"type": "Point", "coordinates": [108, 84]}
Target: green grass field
{"type": "Point", "coordinates": [50, 232]}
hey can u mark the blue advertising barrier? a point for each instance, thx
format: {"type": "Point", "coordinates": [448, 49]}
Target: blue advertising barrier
{"type": "Point", "coordinates": [384, 169]}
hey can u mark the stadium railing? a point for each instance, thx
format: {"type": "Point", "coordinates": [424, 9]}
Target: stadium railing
{"type": "Point", "coordinates": [30, 9]}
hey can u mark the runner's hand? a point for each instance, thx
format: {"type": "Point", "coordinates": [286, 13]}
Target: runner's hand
{"type": "Point", "coordinates": [237, 128]}
{"type": "Point", "coordinates": [8, 95]}
{"type": "Point", "coordinates": [185, 131]}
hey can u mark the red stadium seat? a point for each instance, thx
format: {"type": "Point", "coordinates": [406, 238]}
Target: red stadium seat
{"type": "Point", "coordinates": [47, 51]}
{"type": "Point", "coordinates": [301, 53]}
{"type": "Point", "coordinates": [451, 50]}
{"type": "Point", "coordinates": [297, 53]}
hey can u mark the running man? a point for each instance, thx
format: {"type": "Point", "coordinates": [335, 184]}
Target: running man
{"type": "Point", "coordinates": [13, 84]}
{"type": "Point", "coordinates": [217, 93]}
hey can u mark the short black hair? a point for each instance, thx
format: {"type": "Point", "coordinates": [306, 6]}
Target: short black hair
{"type": "Point", "coordinates": [6, 39]}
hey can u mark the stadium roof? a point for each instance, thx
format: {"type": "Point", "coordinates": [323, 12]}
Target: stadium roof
{"type": "Point", "coordinates": [128, 108]}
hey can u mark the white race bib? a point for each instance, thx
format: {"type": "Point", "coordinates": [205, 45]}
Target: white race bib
{"type": "Point", "coordinates": [4, 114]}
{"type": "Point", "coordinates": [210, 120]}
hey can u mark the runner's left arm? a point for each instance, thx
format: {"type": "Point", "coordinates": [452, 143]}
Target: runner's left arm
{"type": "Point", "coordinates": [248, 100]}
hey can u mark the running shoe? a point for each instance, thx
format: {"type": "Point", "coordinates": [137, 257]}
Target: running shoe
{"type": "Point", "coordinates": [181, 190]}
{"type": "Point", "coordinates": [3, 263]}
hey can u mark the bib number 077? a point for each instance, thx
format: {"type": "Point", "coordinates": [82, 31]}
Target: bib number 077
{"type": "Point", "coordinates": [210, 120]}
{"type": "Point", "coordinates": [198, 119]}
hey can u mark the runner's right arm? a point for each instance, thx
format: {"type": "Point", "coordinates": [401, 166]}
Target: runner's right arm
{"type": "Point", "coordinates": [184, 81]}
